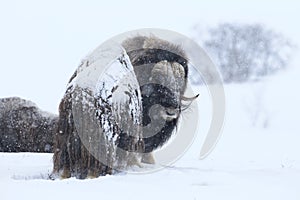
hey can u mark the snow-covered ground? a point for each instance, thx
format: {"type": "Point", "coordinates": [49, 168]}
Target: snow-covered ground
{"type": "Point", "coordinates": [257, 157]}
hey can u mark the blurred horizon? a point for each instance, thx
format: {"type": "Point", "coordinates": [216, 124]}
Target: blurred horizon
{"type": "Point", "coordinates": [43, 42]}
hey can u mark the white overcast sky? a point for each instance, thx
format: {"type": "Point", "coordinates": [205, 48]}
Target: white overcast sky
{"type": "Point", "coordinates": [42, 42]}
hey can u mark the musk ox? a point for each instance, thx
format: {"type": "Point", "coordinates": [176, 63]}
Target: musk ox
{"type": "Point", "coordinates": [133, 109]}
{"type": "Point", "coordinates": [24, 127]}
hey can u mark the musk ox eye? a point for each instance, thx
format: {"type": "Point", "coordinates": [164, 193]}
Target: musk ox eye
{"type": "Point", "coordinates": [171, 113]}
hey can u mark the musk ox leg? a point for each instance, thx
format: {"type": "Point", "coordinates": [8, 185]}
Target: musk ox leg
{"type": "Point", "coordinates": [148, 158]}
{"type": "Point", "coordinates": [61, 160]}
{"type": "Point", "coordinates": [71, 157]}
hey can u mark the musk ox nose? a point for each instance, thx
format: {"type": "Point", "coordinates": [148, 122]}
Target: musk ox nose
{"type": "Point", "coordinates": [153, 94]}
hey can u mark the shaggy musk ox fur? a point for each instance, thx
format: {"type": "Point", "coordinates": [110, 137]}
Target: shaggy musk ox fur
{"type": "Point", "coordinates": [24, 127]}
{"type": "Point", "coordinates": [161, 70]}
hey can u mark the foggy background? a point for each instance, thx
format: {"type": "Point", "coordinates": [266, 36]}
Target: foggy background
{"type": "Point", "coordinates": [42, 42]}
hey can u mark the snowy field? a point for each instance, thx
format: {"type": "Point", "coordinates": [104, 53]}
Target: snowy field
{"type": "Point", "coordinates": [257, 157]}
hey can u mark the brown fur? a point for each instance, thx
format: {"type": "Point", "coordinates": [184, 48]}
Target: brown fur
{"type": "Point", "coordinates": [71, 158]}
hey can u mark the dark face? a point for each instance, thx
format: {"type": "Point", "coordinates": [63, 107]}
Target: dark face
{"type": "Point", "coordinates": [162, 77]}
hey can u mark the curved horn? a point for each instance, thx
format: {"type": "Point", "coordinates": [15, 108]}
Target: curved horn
{"type": "Point", "coordinates": [189, 98]}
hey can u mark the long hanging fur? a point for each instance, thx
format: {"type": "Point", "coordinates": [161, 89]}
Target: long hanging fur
{"type": "Point", "coordinates": [150, 57]}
